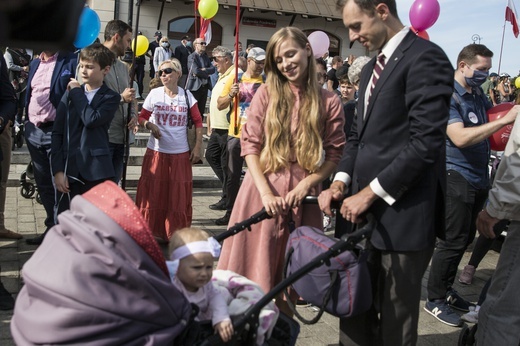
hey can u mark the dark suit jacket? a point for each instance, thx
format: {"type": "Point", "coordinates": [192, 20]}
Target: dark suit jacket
{"type": "Point", "coordinates": [7, 98]}
{"type": "Point", "coordinates": [80, 134]}
{"type": "Point", "coordinates": [181, 53]}
{"type": "Point", "coordinates": [197, 77]}
{"type": "Point", "coordinates": [401, 141]}
{"type": "Point", "coordinates": [64, 70]}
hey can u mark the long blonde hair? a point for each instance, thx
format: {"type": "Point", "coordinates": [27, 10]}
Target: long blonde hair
{"type": "Point", "coordinates": [308, 144]}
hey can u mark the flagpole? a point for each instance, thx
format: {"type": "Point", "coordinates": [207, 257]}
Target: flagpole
{"type": "Point", "coordinates": [501, 47]}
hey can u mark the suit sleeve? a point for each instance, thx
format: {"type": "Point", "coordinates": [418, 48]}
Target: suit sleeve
{"type": "Point", "coordinates": [7, 95]}
{"type": "Point", "coordinates": [58, 136]}
{"type": "Point", "coordinates": [427, 91]}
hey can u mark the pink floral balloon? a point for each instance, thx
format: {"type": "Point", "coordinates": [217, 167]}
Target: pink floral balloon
{"type": "Point", "coordinates": [320, 43]}
{"type": "Point", "coordinates": [424, 13]}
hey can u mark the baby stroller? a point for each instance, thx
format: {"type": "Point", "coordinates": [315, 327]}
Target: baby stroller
{"type": "Point", "coordinates": [286, 329]}
{"type": "Point", "coordinates": [28, 187]}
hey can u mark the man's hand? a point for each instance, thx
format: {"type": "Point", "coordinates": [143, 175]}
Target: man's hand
{"type": "Point", "coordinates": [353, 207]}
{"type": "Point", "coordinates": [334, 193]}
{"type": "Point", "coordinates": [154, 130]}
{"type": "Point", "coordinates": [62, 182]}
{"type": "Point", "coordinates": [128, 95]}
{"type": "Point", "coordinates": [510, 117]}
{"type": "Point", "coordinates": [485, 224]}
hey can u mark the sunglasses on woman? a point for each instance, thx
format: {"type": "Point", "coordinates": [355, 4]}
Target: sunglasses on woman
{"type": "Point", "coordinates": [166, 70]}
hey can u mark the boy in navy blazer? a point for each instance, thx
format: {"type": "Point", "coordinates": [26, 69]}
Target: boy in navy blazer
{"type": "Point", "coordinates": [80, 154]}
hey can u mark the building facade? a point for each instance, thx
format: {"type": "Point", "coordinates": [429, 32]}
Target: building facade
{"type": "Point", "coordinates": [259, 19]}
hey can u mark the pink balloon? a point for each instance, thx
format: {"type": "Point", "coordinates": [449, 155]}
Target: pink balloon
{"type": "Point", "coordinates": [320, 43]}
{"type": "Point", "coordinates": [424, 13]}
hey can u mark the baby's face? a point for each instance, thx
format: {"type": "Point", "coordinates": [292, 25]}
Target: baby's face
{"type": "Point", "coordinates": [195, 271]}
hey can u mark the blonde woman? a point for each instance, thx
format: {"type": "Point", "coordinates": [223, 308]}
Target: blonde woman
{"type": "Point", "coordinates": [292, 141]}
{"type": "Point", "coordinates": [164, 191]}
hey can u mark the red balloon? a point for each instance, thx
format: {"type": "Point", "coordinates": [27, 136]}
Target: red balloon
{"type": "Point", "coordinates": [498, 140]}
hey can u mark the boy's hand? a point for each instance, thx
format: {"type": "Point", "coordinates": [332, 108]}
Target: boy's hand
{"type": "Point", "coordinates": [225, 330]}
{"type": "Point", "coordinates": [73, 84]}
{"type": "Point", "coordinates": [62, 182]}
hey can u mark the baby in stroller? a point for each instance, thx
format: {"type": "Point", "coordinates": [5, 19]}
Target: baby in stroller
{"type": "Point", "coordinates": [191, 269]}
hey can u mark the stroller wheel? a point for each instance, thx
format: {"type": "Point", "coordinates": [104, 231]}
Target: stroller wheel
{"type": "Point", "coordinates": [467, 335]}
{"type": "Point", "coordinates": [27, 190]}
{"type": "Point", "coordinates": [39, 198]}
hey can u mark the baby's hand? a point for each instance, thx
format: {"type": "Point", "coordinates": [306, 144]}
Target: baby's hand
{"type": "Point", "coordinates": [225, 330]}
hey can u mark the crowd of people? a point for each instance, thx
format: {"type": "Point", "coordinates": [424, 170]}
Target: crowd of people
{"type": "Point", "coordinates": [402, 135]}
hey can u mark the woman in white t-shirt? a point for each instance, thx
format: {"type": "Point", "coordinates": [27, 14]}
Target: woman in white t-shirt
{"type": "Point", "coordinates": [164, 191]}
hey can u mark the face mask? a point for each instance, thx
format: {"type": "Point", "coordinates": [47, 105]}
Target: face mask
{"type": "Point", "coordinates": [479, 77]}
{"type": "Point", "coordinates": [165, 44]}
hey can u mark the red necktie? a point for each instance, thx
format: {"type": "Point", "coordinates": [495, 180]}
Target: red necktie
{"type": "Point", "coordinates": [378, 68]}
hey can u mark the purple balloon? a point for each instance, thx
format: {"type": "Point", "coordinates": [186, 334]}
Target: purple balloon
{"type": "Point", "coordinates": [424, 13]}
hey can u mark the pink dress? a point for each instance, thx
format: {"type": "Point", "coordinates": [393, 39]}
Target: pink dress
{"type": "Point", "coordinates": [259, 254]}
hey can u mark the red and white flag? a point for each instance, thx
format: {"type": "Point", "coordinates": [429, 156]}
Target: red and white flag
{"type": "Point", "coordinates": [205, 30]}
{"type": "Point", "coordinates": [512, 17]}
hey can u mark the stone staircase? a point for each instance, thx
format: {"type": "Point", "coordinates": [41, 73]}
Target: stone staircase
{"type": "Point", "coordinates": [203, 176]}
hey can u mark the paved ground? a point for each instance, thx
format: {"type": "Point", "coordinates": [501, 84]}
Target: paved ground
{"type": "Point", "coordinates": [26, 216]}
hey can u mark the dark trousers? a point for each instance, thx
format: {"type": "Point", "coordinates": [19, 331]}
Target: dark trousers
{"type": "Point", "coordinates": [38, 141]}
{"type": "Point", "coordinates": [216, 154]}
{"type": "Point", "coordinates": [139, 77]}
{"type": "Point", "coordinates": [117, 152]}
{"type": "Point", "coordinates": [463, 203]}
{"type": "Point", "coordinates": [201, 96]}
{"type": "Point", "coordinates": [77, 186]}
{"type": "Point", "coordinates": [396, 289]}
{"type": "Point", "coordinates": [234, 171]}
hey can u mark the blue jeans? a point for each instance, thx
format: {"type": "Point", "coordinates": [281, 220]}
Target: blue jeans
{"type": "Point", "coordinates": [117, 152]}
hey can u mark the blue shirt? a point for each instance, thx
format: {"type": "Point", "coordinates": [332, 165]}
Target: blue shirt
{"type": "Point", "coordinates": [472, 161]}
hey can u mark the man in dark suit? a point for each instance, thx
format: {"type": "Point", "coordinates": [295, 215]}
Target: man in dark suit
{"type": "Point", "coordinates": [395, 163]}
{"type": "Point", "coordinates": [151, 51]}
{"type": "Point", "coordinates": [181, 53]}
{"type": "Point", "coordinates": [41, 103]}
{"type": "Point", "coordinates": [199, 70]}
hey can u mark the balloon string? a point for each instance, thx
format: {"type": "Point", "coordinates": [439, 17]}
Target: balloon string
{"type": "Point", "coordinates": [237, 32]}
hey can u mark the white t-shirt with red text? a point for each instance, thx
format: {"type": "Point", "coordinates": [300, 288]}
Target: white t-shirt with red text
{"type": "Point", "coordinates": [171, 116]}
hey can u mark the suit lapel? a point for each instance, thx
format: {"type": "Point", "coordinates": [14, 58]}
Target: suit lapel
{"type": "Point", "coordinates": [57, 70]}
{"type": "Point", "coordinates": [390, 65]}
{"type": "Point", "coordinates": [99, 96]}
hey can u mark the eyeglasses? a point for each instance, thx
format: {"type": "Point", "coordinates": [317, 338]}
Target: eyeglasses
{"type": "Point", "coordinates": [167, 70]}
{"type": "Point", "coordinates": [202, 43]}
{"type": "Point", "coordinates": [259, 62]}
{"type": "Point", "coordinates": [217, 57]}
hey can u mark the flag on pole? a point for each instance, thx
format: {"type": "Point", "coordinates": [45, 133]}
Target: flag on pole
{"type": "Point", "coordinates": [205, 30]}
{"type": "Point", "coordinates": [512, 17]}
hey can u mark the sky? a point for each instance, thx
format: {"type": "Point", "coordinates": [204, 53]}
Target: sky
{"type": "Point", "coordinates": [459, 20]}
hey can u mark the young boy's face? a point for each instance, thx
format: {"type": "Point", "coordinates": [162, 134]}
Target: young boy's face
{"type": "Point", "coordinates": [195, 271]}
{"type": "Point", "coordinates": [91, 73]}
{"type": "Point", "coordinates": [347, 91]}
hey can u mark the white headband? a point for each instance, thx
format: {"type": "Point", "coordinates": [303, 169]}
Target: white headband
{"type": "Point", "coordinates": [211, 245]}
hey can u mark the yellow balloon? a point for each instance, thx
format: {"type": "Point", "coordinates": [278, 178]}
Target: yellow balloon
{"type": "Point", "coordinates": [142, 45]}
{"type": "Point", "coordinates": [208, 8]}
{"type": "Point", "coordinates": [517, 82]}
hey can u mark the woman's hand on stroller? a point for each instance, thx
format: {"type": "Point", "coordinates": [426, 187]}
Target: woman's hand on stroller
{"type": "Point", "coordinates": [274, 205]}
{"type": "Point", "coordinates": [62, 182]}
{"type": "Point", "coordinates": [295, 197]}
{"type": "Point", "coordinates": [225, 330]}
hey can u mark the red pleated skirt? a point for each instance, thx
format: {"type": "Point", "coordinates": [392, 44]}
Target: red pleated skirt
{"type": "Point", "coordinates": [164, 192]}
